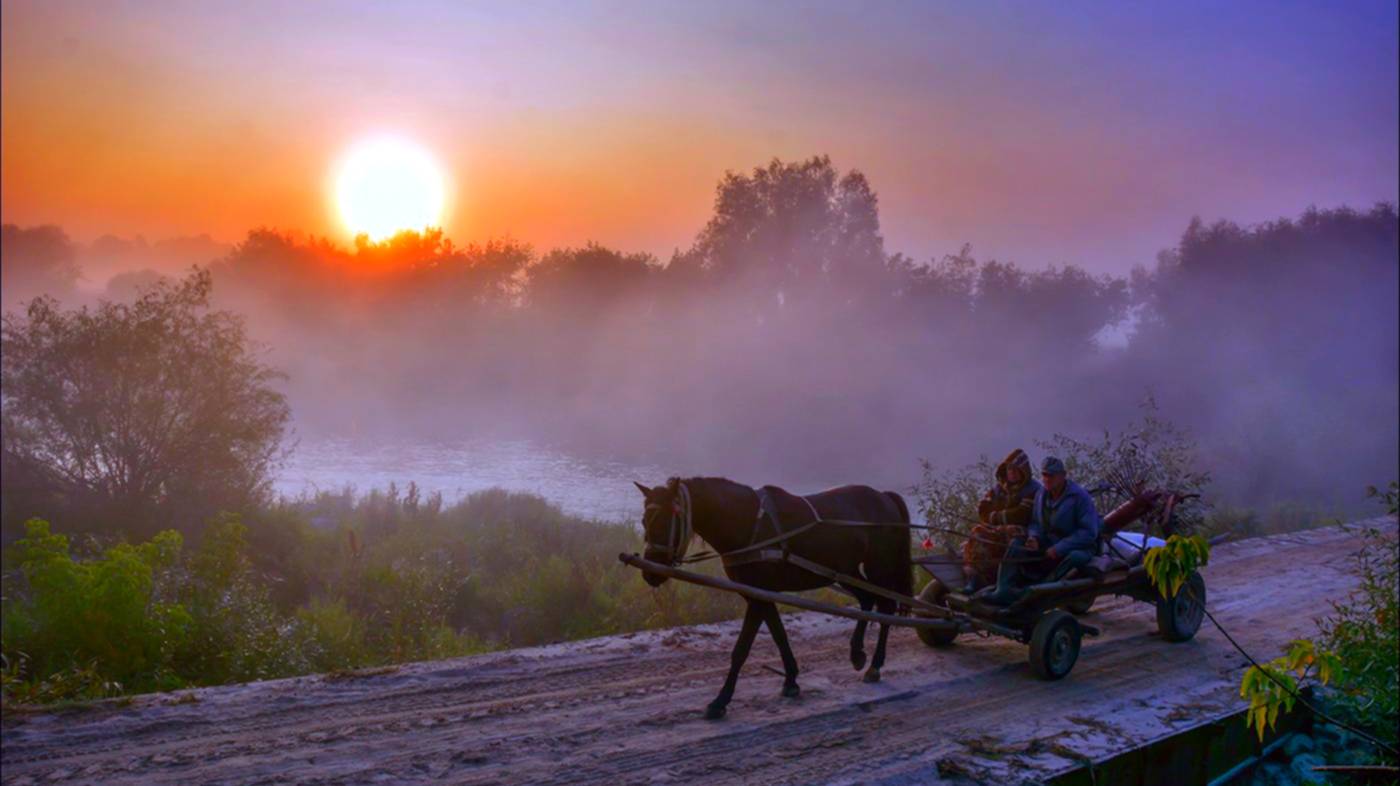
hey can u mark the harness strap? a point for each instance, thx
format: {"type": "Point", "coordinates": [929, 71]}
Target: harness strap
{"type": "Point", "coordinates": [769, 542]}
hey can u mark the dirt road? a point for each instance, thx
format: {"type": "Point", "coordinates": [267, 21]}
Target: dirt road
{"type": "Point", "coordinates": [626, 709]}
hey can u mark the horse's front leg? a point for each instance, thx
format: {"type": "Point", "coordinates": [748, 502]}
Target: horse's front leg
{"type": "Point", "coordinates": [873, 673]}
{"type": "Point", "coordinates": [774, 620]}
{"type": "Point", "coordinates": [752, 618]}
{"type": "Point", "coordinates": [867, 601]}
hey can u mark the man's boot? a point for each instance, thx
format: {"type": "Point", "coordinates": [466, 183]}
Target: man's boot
{"type": "Point", "coordinates": [1007, 592]}
{"type": "Point", "coordinates": [970, 585]}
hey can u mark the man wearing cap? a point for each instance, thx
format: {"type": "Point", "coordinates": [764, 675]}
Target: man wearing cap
{"type": "Point", "coordinates": [1064, 530]}
{"type": "Point", "coordinates": [1003, 514]}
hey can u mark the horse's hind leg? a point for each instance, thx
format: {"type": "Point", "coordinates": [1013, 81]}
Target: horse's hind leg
{"type": "Point", "coordinates": [867, 601]}
{"type": "Point", "coordinates": [775, 629]}
{"type": "Point", "coordinates": [873, 673]}
{"type": "Point", "coordinates": [753, 617]}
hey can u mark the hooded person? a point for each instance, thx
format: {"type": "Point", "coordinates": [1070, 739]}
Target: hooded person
{"type": "Point", "coordinates": [1003, 515]}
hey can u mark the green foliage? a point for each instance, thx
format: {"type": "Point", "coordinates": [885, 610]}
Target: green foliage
{"type": "Point", "coordinates": [1390, 497]}
{"type": "Point", "coordinates": [947, 499]}
{"type": "Point", "coordinates": [129, 416]}
{"type": "Point", "coordinates": [384, 578]}
{"type": "Point", "coordinates": [1149, 453]}
{"type": "Point", "coordinates": [1364, 630]}
{"type": "Point", "coordinates": [236, 632]}
{"type": "Point", "coordinates": [1171, 565]}
{"type": "Point", "coordinates": [75, 683]}
{"type": "Point", "coordinates": [65, 614]}
{"type": "Point", "coordinates": [1359, 653]}
{"type": "Point", "coordinates": [1240, 523]}
{"type": "Point", "coordinates": [1271, 687]}
{"type": "Point", "coordinates": [334, 635]}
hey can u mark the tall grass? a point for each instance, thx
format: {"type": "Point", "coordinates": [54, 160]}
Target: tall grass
{"type": "Point", "coordinates": [322, 583]}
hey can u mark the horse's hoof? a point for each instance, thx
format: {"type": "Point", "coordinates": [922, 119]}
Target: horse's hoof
{"type": "Point", "coordinates": [791, 691]}
{"type": "Point", "coordinates": [871, 676]}
{"type": "Point", "coordinates": [714, 711]}
{"type": "Point", "coordinates": [857, 659]}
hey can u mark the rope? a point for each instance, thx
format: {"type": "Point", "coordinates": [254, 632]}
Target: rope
{"type": "Point", "coordinates": [1296, 696]}
{"type": "Point", "coordinates": [779, 538]}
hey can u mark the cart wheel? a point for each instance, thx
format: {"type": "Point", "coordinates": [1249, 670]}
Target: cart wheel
{"type": "Point", "coordinates": [933, 593]}
{"type": "Point", "coordinates": [1081, 606]}
{"type": "Point", "coordinates": [1055, 644]}
{"type": "Point", "coordinates": [1180, 617]}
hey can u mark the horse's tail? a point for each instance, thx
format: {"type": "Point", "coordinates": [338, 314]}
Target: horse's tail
{"type": "Point", "coordinates": [903, 549]}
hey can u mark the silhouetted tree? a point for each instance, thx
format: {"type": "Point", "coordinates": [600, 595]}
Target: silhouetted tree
{"type": "Point", "coordinates": [135, 415]}
{"type": "Point", "coordinates": [790, 226]}
{"type": "Point", "coordinates": [582, 280]}
{"type": "Point", "coordinates": [35, 261]}
{"type": "Point", "coordinates": [1281, 340]}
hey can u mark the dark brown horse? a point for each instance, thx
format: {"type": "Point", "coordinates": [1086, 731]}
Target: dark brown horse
{"type": "Point", "coordinates": [732, 517]}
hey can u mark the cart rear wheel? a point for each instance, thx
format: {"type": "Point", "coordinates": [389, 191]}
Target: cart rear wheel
{"type": "Point", "coordinates": [933, 593]}
{"type": "Point", "coordinates": [1179, 618]}
{"type": "Point", "coordinates": [1081, 606]}
{"type": "Point", "coordinates": [1055, 644]}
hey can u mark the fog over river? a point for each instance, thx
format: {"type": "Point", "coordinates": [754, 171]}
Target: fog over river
{"type": "Point", "coordinates": [588, 487]}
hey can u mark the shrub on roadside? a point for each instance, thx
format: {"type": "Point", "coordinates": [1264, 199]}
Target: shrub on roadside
{"type": "Point", "coordinates": [1364, 630]}
{"type": "Point", "coordinates": [62, 615]}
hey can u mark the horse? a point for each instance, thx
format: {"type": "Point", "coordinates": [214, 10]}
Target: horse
{"type": "Point", "coordinates": [733, 519]}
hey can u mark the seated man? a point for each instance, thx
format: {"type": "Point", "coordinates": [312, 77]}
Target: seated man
{"type": "Point", "coordinates": [1064, 530]}
{"type": "Point", "coordinates": [1004, 512]}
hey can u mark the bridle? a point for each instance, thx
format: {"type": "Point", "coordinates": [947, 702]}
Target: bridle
{"type": "Point", "coordinates": [678, 530]}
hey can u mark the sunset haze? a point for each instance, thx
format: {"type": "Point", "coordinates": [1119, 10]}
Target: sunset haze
{"type": "Point", "coordinates": [1086, 136]}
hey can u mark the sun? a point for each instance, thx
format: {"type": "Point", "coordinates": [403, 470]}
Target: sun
{"type": "Point", "coordinates": [387, 184]}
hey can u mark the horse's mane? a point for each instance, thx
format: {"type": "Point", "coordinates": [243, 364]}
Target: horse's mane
{"type": "Point", "coordinates": [720, 492]}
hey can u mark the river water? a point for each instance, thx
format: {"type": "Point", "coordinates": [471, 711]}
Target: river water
{"type": "Point", "coordinates": [588, 487]}
{"type": "Point", "coordinates": [591, 488]}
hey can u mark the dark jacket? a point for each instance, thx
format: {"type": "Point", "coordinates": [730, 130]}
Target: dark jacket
{"type": "Point", "coordinates": [1070, 523]}
{"type": "Point", "coordinates": [1004, 505]}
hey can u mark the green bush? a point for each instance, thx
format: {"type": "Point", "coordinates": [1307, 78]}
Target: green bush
{"type": "Point", "coordinates": [1148, 453]}
{"type": "Point", "coordinates": [1363, 631]}
{"type": "Point", "coordinates": [66, 614]}
{"type": "Point", "coordinates": [1359, 654]}
{"type": "Point", "coordinates": [334, 635]}
{"type": "Point", "coordinates": [236, 632]}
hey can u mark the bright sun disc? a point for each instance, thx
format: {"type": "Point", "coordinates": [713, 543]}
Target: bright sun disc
{"type": "Point", "coordinates": [386, 185]}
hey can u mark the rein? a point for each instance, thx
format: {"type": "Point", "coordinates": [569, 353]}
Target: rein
{"type": "Point", "coordinates": [708, 555]}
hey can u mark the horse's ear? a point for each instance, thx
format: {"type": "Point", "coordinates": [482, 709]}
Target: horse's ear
{"type": "Point", "coordinates": [646, 492]}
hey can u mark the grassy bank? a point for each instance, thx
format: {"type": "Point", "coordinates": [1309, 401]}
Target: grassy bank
{"type": "Point", "coordinates": [324, 583]}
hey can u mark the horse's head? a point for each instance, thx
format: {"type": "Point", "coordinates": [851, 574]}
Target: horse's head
{"type": "Point", "coordinates": [666, 525]}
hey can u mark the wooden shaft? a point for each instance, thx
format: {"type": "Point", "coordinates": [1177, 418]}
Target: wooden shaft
{"type": "Point", "coordinates": [784, 598]}
{"type": "Point", "coordinates": [828, 573]}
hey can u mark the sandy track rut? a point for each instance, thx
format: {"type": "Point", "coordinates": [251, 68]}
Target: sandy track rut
{"type": "Point", "coordinates": [626, 709]}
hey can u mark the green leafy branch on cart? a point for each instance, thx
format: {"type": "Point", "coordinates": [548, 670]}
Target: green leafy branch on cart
{"type": "Point", "coordinates": [1171, 565]}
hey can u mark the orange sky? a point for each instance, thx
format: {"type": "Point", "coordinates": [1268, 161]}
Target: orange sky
{"type": "Point", "coordinates": [1081, 137]}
